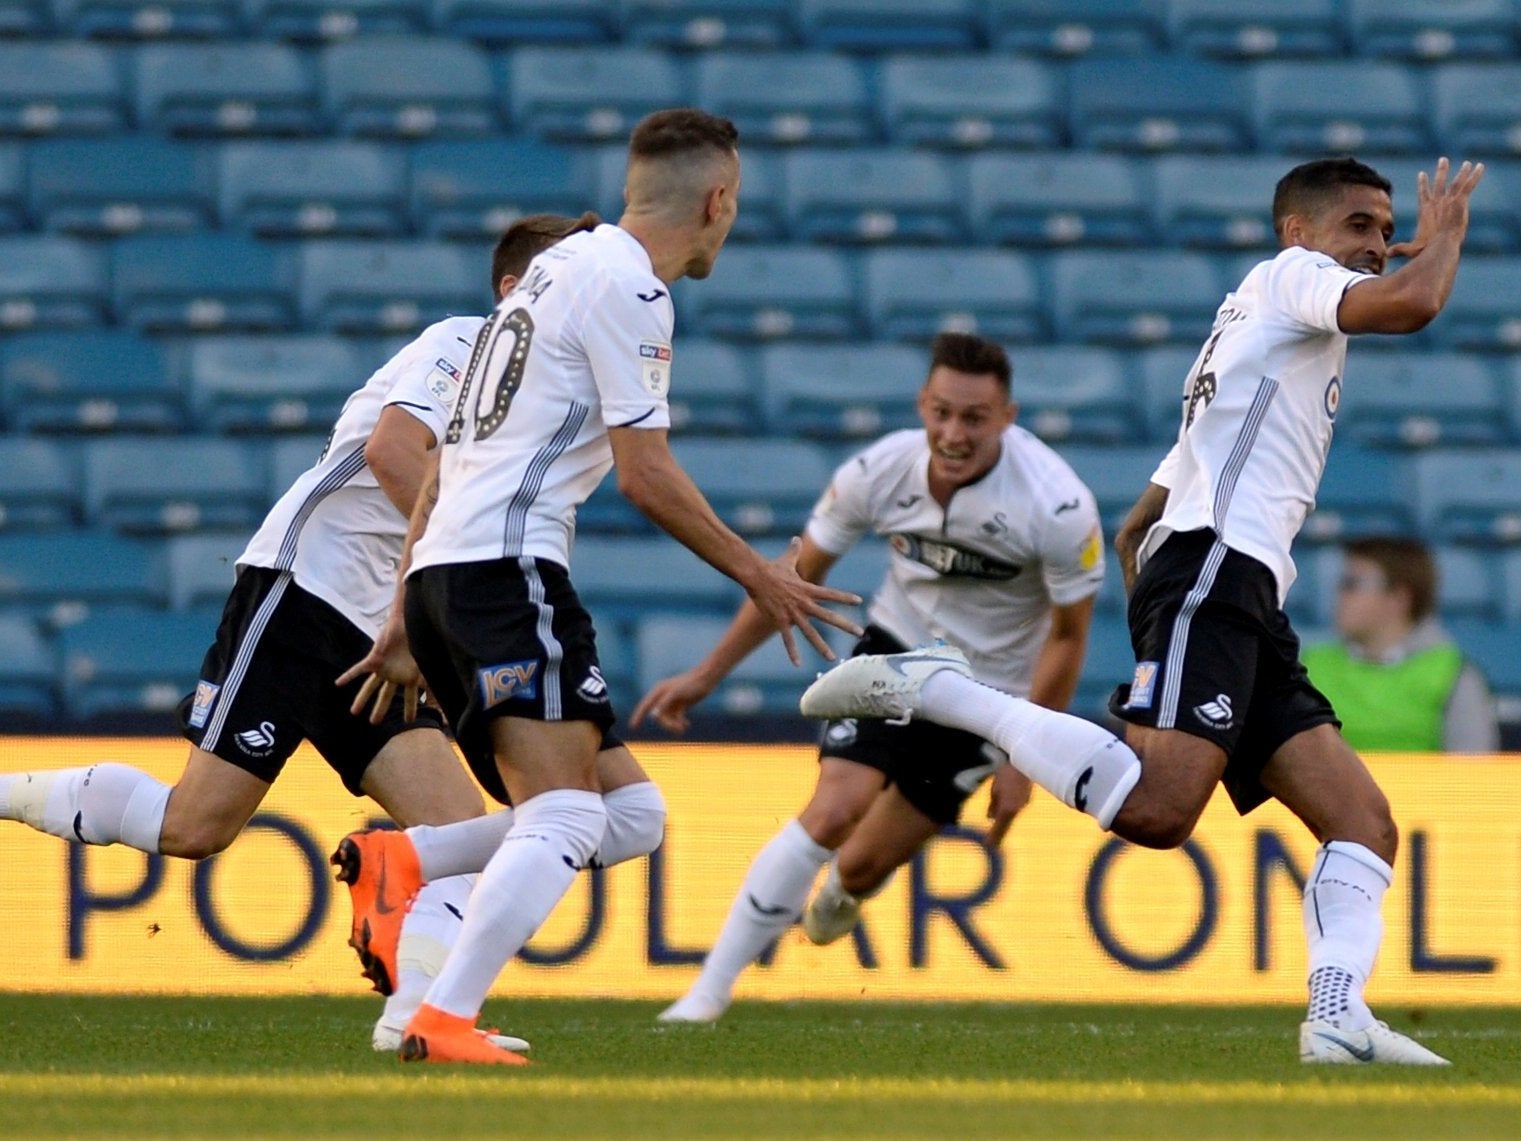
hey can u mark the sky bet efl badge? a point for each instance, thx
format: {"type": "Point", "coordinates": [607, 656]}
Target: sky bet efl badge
{"type": "Point", "coordinates": [655, 366]}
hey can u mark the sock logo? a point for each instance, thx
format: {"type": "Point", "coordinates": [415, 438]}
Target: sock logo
{"type": "Point", "coordinates": [1217, 714]}
{"type": "Point", "coordinates": [78, 820]}
{"type": "Point", "coordinates": [769, 912]}
{"type": "Point", "coordinates": [1080, 790]}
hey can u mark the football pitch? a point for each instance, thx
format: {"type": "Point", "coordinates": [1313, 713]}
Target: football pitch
{"type": "Point", "coordinates": [85, 1066]}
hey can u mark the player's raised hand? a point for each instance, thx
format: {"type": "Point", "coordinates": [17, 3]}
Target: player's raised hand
{"type": "Point", "coordinates": [790, 601]}
{"type": "Point", "coordinates": [1010, 792]}
{"type": "Point", "coordinates": [1441, 204]}
{"type": "Point", "coordinates": [388, 666]}
{"type": "Point", "coordinates": [668, 701]}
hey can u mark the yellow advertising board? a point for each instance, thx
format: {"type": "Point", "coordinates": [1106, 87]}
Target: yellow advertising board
{"type": "Point", "coordinates": [1063, 912]}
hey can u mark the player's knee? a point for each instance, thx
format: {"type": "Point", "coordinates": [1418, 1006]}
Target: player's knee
{"type": "Point", "coordinates": [198, 840]}
{"type": "Point", "coordinates": [1154, 823]}
{"type": "Point", "coordinates": [831, 823]}
{"type": "Point", "coordinates": [862, 875]}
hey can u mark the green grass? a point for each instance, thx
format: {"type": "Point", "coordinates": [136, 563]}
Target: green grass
{"type": "Point", "coordinates": [141, 1067]}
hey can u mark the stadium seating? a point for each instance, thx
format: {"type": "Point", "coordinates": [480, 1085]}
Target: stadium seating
{"type": "Point", "coordinates": [1250, 29]}
{"type": "Point", "coordinates": [59, 575]}
{"type": "Point", "coordinates": [884, 25]}
{"type": "Point", "coordinates": [971, 101]}
{"type": "Point", "coordinates": [128, 660]}
{"type": "Point", "coordinates": [39, 485]}
{"type": "Point", "coordinates": [1115, 475]}
{"type": "Point", "coordinates": [270, 384]}
{"type": "Point", "coordinates": [138, 19]}
{"type": "Point", "coordinates": [50, 281]}
{"type": "Point", "coordinates": [313, 187]}
{"type": "Point", "coordinates": [912, 294]}
{"type": "Point", "coordinates": [23, 17]}
{"type": "Point", "coordinates": [1047, 199]}
{"type": "Point", "coordinates": [93, 380]}
{"type": "Point", "coordinates": [1483, 312]}
{"type": "Point", "coordinates": [621, 579]}
{"type": "Point", "coordinates": [160, 487]}
{"type": "Point", "coordinates": [1075, 393]}
{"type": "Point", "coordinates": [762, 215]}
{"type": "Point", "coordinates": [837, 392]}
{"type": "Point", "coordinates": [1077, 27]}
{"type": "Point", "coordinates": [202, 282]}
{"type": "Point", "coordinates": [758, 487]}
{"type": "Point", "coordinates": [332, 20]}
{"type": "Point", "coordinates": [388, 287]}
{"type": "Point", "coordinates": [1468, 583]}
{"type": "Point", "coordinates": [714, 390]}
{"type": "Point", "coordinates": [474, 190]}
{"type": "Point", "coordinates": [1494, 210]}
{"type": "Point", "coordinates": [1471, 496]}
{"type": "Point", "coordinates": [288, 458]}
{"type": "Point", "coordinates": [801, 97]}
{"type": "Point", "coordinates": [1398, 399]}
{"type": "Point", "coordinates": [526, 21]}
{"type": "Point", "coordinates": [1216, 202]}
{"type": "Point", "coordinates": [1432, 29]}
{"type": "Point", "coordinates": [1163, 373]}
{"type": "Point", "coordinates": [1338, 106]}
{"type": "Point", "coordinates": [1475, 107]}
{"type": "Point", "coordinates": [1363, 491]}
{"type": "Point", "coordinates": [28, 674]}
{"type": "Point", "coordinates": [1109, 662]}
{"type": "Point", "coordinates": [124, 185]}
{"type": "Point", "coordinates": [1159, 104]}
{"type": "Point", "coordinates": [224, 89]}
{"type": "Point", "coordinates": [1134, 297]}
{"type": "Point", "coordinates": [708, 23]}
{"type": "Point", "coordinates": [201, 567]}
{"type": "Point", "coordinates": [872, 195]}
{"type": "Point", "coordinates": [589, 94]}
{"type": "Point", "coordinates": [59, 88]}
{"type": "Point", "coordinates": [765, 292]}
{"type": "Point", "coordinates": [765, 683]}
{"type": "Point", "coordinates": [408, 87]}
{"type": "Point", "coordinates": [12, 188]}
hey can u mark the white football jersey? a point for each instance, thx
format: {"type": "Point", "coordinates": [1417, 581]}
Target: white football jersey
{"type": "Point", "coordinates": [582, 344]}
{"type": "Point", "coordinates": [981, 573]}
{"type": "Point", "coordinates": [335, 529]}
{"type": "Point", "coordinates": [1259, 405]}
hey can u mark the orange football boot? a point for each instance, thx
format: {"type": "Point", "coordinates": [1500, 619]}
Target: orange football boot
{"type": "Point", "coordinates": [383, 875]}
{"type": "Point", "coordinates": [436, 1036]}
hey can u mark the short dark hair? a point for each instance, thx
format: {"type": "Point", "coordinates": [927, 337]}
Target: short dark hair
{"type": "Point", "coordinates": [1310, 185]}
{"type": "Point", "coordinates": [530, 236]}
{"type": "Point", "coordinates": [966, 353]}
{"type": "Point", "coordinates": [682, 130]}
{"type": "Point", "coordinates": [1406, 563]}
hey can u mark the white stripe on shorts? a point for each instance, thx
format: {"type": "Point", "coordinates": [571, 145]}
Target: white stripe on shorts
{"type": "Point", "coordinates": [241, 659]}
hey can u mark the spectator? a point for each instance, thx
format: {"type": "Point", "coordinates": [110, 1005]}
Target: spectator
{"type": "Point", "coordinates": [1396, 678]}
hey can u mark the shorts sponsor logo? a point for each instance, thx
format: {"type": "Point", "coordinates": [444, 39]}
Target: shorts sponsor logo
{"type": "Point", "coordinates": [594, 688]}
{"type": "Point", "coordinates": [258, 741]}
{"type": "Point", "coordinates": [205, 698]}
{"type": "Point", "coordinates": [655, 366]}
{"type": "Point", "coordinates": [1216, 714]}
{"type": "Point", "coordinates": [1142, 685]}
{"type": "Point", "coordinates": [841, 733]}
{"type": "Point", "coordinates": [511, 681]}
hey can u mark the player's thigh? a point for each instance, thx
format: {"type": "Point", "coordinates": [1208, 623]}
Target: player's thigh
{"type": "Point", "coordinates": [1319, 778]}
{"type": "Point", "coordinates": [616, 766]}
{"type": "Point", "coordinates": [541, 756]}
{"type": "Point", "coordinates": [209, 806]}
{"type": "Point", "coordinates": [886, 838]}
{"type": "Point", "coordinates": [417, 779]}
{"type": "Point", "coordinates": [1179, 774]}
{"type": "Point", "coordinates": [844, 791]}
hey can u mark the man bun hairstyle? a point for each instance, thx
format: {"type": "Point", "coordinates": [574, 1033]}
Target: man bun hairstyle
{"type": "Point", "coordinates": [1311, 185]}
{"type": "Point", "coordinates": [530, 236]}
{"type": "Point", "coordinates": [680, 131]}
{"type": "Point", "coordinates": [967, 353]}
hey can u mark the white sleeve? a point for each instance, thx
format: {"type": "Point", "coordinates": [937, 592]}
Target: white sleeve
{"type": "Point", "coordinates": [843, 513]}
{"type": "Point", "coordinates": [428, 376]}
{"type": "Point", "coordinates": [628, 344]}
{"type": "Point", "coordinates": [1306, 288]}
{"type": "Point", "coordinates": [1072, 550]}
{"type": "Point", "coordinates": [1166, 473]}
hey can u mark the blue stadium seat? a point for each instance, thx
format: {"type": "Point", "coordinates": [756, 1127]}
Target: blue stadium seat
{"type": "Point", "coordinates": [872, 195]}
{"type": "Point", "coordinates": [1363, 490]}
{"type": "Point", "coordinates": [1510, 392]}
{"type": "Point", "coordinates": [1483, 312]}
{"type": "Point", "coordinates": [1433, 29]}
{"type": "Point", "coordinates": [269, 383]}
{"type": "Point", "coordinates": [313, 187]}
{"type": "Point", "coordinates": [125, 660]}
{"type": "Point", "coordinates": [1469, 495]}
{"type": "Point", "coordinates": [288, 458]}
{"type": "Point", "coordinates": [1072, 392]}
{"type": "Point", "coordinates": [1468, 583]}
{"type": "Point", "coordinates": [1245, 29]}
{"type": "Point", "coordinates": [475, 190]}
{"type": "Point", "coordinates": [1133, 297]}
{"type": "Point", "coordinates": [59, 88]}
{"type": "Point", "coordinates": [837, 392]}
{"type": "Point", "coordinates": [1163, 372]}
{"type": "Point", "coordinates": [708, 23]}
{"type": "Point", "coordinates": [606, 512]}
{"type": "Point", "coordinates": [1159, 103]}
{"type": "Point", "coordinates": [792, 97]}
{"type": "Point", "coordinates": [1510, 577]}
{"type": "Point", "coordinates": [28, 675]}
{"type": "Point", "coordinates": [527, 21]}
{"type": "Point", "coordinates": [202, 283]}
{"type": "Point", "coordinates": [22, 18]}
{"type": "Point", "coordinates": [1494, 210]}
{"type": "Point", "coordinates": [408, 87]}
{"type": "Point", "coordinates": [1109, 662]}
{"type": "Point", "coordinates": [758, 487]}
{"type": "Point", "coordinates": [1217, 202]}
{"type": "Point", "coordinates": [59, 575]}
{"type": "Point", "coordinates": [388, 287]}
{"type": "Point", "coordinates": [39, 485]}
{"type": "Point", "coordinates": [1492, 648]}
{"type": "Point", "coordinates": [890, 25]}
{"type": "Point", "coordinates": [620, 579]}
{"type": "Point", "coordinates": [763, 292]}
{"type": "Point", "coordinates": [1077, 27]}
{"type": "Point", "coordinates": [713, 391]}
{"type": "Point", "coordinates": [1056, 199]}
{"type": "Point", "coordinates": [202, 567]}
{"type": "Point", "coordinates": [765, 684]}
{"type": "Point", "coordinates": [226, 88]}
{"type": "Point", "coordinates": [913, 294]}
{"type": "Point", "coordinates": [1475, 107]}
{"type": "Point", "coordinates": [334, 20]}
{"type": "Point", "coordinates": [166, 485]}
{"type": "Point", "coordinates": [147, 19]}
{"type": "Point", "coordinates": [121, 185]}
{"type": "Point", "coordinates": [971, 101]}
{"type": "Point", "coordinates": [89, 381]}
{"type": "Point", "coordinates": [762, 215]}
{"type": "Point", "coordinates": [1115, 475]}
{"type": "Point", "coordinates": [1414, 400]}
{"type": "Point", "coordinates": [50, 281]}
{"type": "Point", "coordinates": [1339, 106]}
{"type": "Point", "coordinates": [589, 94]}
{"type": "Point", "coordinates": [12, 187]}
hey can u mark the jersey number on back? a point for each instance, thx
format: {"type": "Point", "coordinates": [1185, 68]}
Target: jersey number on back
{"type": "Point", "coordinates": [496, 356]}
{"type": "Point", "coordinates": [1202, 389]}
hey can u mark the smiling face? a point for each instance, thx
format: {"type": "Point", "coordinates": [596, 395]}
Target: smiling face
{"type": "Point", "coordinates": [964, 416]}
{"type": "Point", "coordinates": [1353, 226]}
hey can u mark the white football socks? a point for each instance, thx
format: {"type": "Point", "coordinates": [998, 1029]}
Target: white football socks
{"type": "Point", "coordinates": [635, 823]}
{"type": "Point", "coordinates": [430, 929]}
{"type": "Point", "coordinates": [769, 901]}
{"type": "Point", "coordinates": [106, 803]}
{"type": "Point", "coordinates": [1344, 926]}
{"type": "Point", "coordinates": [1081, 764]}
{"type": "Point", "coordinates": [461, 848]}
{"type": "Point", "coordinates": [552, 838]}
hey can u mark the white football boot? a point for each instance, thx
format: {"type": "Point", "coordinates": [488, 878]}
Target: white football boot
{"type": "Point", "coordinates": [830, 915]}
{"type": "Point", "coordinates": [387, 1039]}
{"type": "Point", "coordinates": [879, 685]}
{"type": "Point", "coordinates": [694, 1007]}
{"type": "Point", "coordinates": [1324, 1042]}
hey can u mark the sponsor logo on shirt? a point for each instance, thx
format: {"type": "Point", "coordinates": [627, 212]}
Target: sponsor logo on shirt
{"type": "Point", "coordinates": [950, 560]}
{"type": "Point", "coordinates": [200, 707]}
{"type": "Point", "coordinates": [1093, 549]}
{"type": "Point", "coordinates": [655, 366]}
{"type": "Point", "coordinates": [1142, 685]}
{"type": "Point", "coordinates": [443, 380]}
{"type": "Point", "coordinates": [510, 681]}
